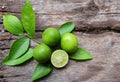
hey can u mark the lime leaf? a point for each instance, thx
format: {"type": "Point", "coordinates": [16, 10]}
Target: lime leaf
{"type": "Point", "coordinates": [28, 18]}
{"type": "Point", "coordinates": [20, 60]}
{"type": "Point", "coordinates": [66, 28]}
{"type": "Point", "coordinates": [40, 71]}
{"type": "Point", "coordinates": [81, 54]}
{"type": "Point", "coordinates": [12, 24]}
{"type": "Point", "coordinates": [18, 48]}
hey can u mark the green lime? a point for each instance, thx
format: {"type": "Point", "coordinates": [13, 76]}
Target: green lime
{"type": "Point", "coordinates": [51, 36]}
{"type": "Point", "coordinates": [69, 42]}
{"type": "Point", "coordinates": [59, 58]}
{"type": "Point", "coordinates": [42, 53]}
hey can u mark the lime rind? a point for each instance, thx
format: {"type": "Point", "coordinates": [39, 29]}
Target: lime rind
{"type": "Point", "coordinates": [59, 58]}
{"type": "Point", "coordinates": [69, 43]}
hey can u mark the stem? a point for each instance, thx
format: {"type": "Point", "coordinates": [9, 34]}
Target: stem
{"type": "Point", "coordinates": [38, 42]}
{"type": "Point", "coordinates": [33, 39]}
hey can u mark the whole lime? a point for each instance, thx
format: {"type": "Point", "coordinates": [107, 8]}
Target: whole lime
{"type": "Point", "coordinates": [69, 42]}
{"type": "Point", "coordinates": [42, 53]}
{"type": "Point", "coordinates": [51, 36]}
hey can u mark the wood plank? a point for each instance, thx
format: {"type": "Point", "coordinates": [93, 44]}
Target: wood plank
{"type": "Point", "coordinates": [54, 6]}
{"type": "Point", "coordinates": [103, 68]}
{"type": "Point", "coordinates": [87, 15]}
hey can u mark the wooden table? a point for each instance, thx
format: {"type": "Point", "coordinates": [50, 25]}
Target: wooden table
{"type": "Point", "coordinates": [97, 28]}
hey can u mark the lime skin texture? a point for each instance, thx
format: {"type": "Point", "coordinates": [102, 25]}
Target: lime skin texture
{"type": "Point", "coordinates": [69, 42]}
{"type": "Point", "coordinates": [51, 36]}
{"type": "Point", "coordinates": [42, 53]}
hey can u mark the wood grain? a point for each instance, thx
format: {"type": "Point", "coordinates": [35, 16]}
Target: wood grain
{"type": "Point", "coordinates": [103, 68]}
{"type": "Point", "coordinates": [87, 14]}
{"type": "Point", "coordinates": [97, 22]}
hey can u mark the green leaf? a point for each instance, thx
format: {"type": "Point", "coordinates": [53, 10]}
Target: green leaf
{"type": "Point", "coordinates": [28, 18]}
{"type": "Point", "coordinates": [81, 54]}
{"type": "Point", "coordinates": [18, 48]}
{"type": "Point", "coordinates": [66, 28]}
{"type": "Point", "coordinates": [20, 60]}
{"type": "Point", "coordinates": [12, 24]}
{"type": "Point", "coordinates": [40, 71]}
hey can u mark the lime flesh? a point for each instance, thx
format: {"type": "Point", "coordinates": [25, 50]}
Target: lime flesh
{"type": "Point", "coordinates": [59, 58]}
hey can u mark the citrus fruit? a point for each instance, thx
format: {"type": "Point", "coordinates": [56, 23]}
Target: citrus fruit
{"type": "Point", "coordinates": [59, 58]}
{"type": "Point", "coordinates": [69, 42]}
{"type": "Point", "coordinates": [51, 36]}
{"type": "Point", "coordinates": [42, 53]}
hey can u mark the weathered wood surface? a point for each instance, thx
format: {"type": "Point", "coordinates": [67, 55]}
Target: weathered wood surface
{"type": "Point", "coordinates": [87, 14]}
{"type": "Point", "coordinates": [105, 67]}
{"type": "Point", "coordinates": [90, 16]}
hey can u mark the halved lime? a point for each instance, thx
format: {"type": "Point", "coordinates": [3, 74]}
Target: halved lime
{"type": "Point", "coordinates": [59, 58]}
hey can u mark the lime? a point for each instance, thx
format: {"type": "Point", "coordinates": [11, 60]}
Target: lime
{"type": "Point", "coordinates": [69, 42]}
{"type": "Point", "coordinates": [51, 36]}
{"type": "Point", "coordinates": [59, 58]}
{"type": "Point", "coordinates": [42, 53]}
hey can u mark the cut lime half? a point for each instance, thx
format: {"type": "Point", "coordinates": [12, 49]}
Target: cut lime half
{"type": "Point", "coordinates": [59, 58]}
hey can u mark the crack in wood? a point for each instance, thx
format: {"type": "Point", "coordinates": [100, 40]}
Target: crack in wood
{"type": "Point", "coordinates": [1, 76]}
{"type": "Point", "coordinates": [17, 75]}
{"type": "Point", "coordinates": [4, 48]}
{"type": "Point", "coordinates": [91, 31]}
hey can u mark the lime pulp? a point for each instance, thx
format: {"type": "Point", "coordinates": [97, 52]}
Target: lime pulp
{"type": "Point", "coordinates": [59, 58]}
